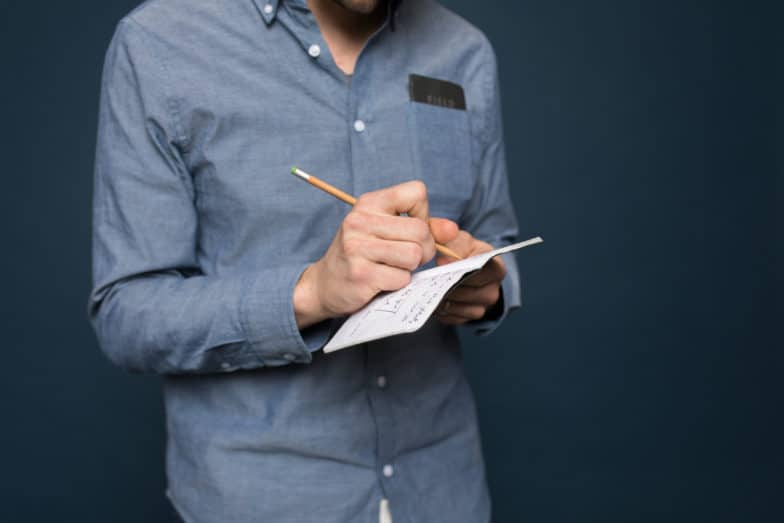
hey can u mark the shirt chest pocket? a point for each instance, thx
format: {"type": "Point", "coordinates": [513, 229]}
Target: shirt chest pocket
{"type": "Point", "coordinates": [440, 141]}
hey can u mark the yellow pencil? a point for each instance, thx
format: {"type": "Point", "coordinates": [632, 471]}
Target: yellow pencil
{"type": "Point", "coordinates": [345, 197]}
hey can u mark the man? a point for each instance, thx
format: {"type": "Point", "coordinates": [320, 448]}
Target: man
{"type": "Point", "coordinates": [218, 270]}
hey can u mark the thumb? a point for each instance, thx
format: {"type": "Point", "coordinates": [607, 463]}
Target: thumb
{"type": "Point", "coordinates": [443, 230]}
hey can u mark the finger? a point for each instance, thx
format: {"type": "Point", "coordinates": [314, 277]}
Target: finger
{"type": "Point", "coordinates": [465, 310]}
{"type": "Point", "coordinates": [400, 254]}
{"type": "Point", "coordinates": [378, 276]}
{"type": "Point", "coordinates": [466, 245]}
{"type": "Point", "coordinates": [409, 197]}
{"type": "Point", "coordinates": [443, 314]}
{"type": "Point", "coordinates": [461, 244]}
{"type": "Point", "coordinates": [444, 231]}
{"type": "Point", "coordinates": [452, 320]}
{"type": "Point", "coordinates": [493, 272]}
{"type": "Point", "coordinates": [486, 295]}
{"type": "Point", "coordinates": [398, 228]}
{"type": "Point", "coordinates": [386, 278]}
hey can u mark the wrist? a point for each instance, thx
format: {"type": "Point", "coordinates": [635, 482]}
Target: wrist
{"type": "Point", "coordinates": [307, 305]}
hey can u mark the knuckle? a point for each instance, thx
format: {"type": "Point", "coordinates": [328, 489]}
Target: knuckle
{"type": "Point", "coordinates": [366, 200]}
{"type": "Point", "coordinates": [353, 221]}
{"type": "Point", "coordinates": [362, 201]}
{"type": "Point", "coordinates": [414, 256]}
{"type": "Point", "coordinates": [403, 279]}
{"type": "Point", "coordinates": [423, 231]}
{"type": "Point", "coordinates": [418, 189]}
{"type": "Point", "coordinates": [395, 193]}
{"type": "Point", "coordinates": [428, 253]}
{"type": "Point", "coordinates": [352, 247]}
{"type": "Point", "coordinates": [358, 271]}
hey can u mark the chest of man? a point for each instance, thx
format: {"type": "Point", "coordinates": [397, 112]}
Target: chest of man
{"type": "Point", "coordinates": [273, 101]}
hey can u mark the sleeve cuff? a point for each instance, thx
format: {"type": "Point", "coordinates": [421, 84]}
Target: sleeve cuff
{"type": "Point", "coordinates": [267, 314]}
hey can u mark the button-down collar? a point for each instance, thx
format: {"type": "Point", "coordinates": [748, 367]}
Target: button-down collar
{"type": "Point", "coordinates": [269, 8]}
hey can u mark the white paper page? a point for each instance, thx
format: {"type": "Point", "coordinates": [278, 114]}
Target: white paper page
{"type": "Point", "coordinates": [407, 309]}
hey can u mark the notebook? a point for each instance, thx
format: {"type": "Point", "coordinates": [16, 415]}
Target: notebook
{"type": "Point", "coordinates": [406, 310]}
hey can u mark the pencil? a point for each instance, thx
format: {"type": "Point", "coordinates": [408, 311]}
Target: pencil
{"type": "Point", "coordinates": [345, 197]}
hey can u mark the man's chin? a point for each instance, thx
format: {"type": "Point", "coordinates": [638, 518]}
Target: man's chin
{"type": "Point", "coordinates": [364, 7]}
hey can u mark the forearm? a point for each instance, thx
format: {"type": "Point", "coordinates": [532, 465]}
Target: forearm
{"type": "Point", "coordinates": [169, 323]}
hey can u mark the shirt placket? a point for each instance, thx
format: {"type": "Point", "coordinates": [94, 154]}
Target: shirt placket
{"type": "Point", "coordinates": [363, 131]}
{"type": "Point", "coordinates": [358, 121]}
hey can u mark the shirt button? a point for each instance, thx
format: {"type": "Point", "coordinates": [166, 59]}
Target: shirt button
{"type": "Point", "coordinates": [388, 470]}
{"type": "Point", "coordinates": [381, 381]}
{"type": "Point", "coordinates": [314, 50]}
{"type": "Point", "coordinates": [289, 356]}
{"type": "Point", "coordinates": [225, 365]}
{"type": "Point", "coordinates": [268, 9]}
{"type": "Point", "coordinates": [359, 126]}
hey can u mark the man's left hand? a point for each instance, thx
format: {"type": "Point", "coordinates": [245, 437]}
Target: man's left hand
{"type": "Point", "coordinates": [478, 293]}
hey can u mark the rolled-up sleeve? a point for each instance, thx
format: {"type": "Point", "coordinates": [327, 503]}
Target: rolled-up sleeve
{"type": "Point", "coordinates": [152, 307]}
{"type": "Point", "coordinates": [490, 215]}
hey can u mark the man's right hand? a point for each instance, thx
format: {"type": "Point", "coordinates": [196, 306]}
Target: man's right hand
{"type": "Point", "coordinates": [374, 250]}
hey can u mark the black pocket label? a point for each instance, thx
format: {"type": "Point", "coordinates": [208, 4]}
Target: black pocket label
{"type": "Point", "coordinates": [433, 91]}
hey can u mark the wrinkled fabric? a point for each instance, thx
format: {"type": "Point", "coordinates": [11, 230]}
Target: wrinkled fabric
{"type": "Point", "coordinates": [200, 234]}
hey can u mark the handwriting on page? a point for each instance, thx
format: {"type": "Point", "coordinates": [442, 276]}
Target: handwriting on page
{"type": "Point", "coordinates": [407, 309]}
{"type": "Point", "coordinates": [409, 304]}
{"type": "Point", "coordinates": [400, 311]}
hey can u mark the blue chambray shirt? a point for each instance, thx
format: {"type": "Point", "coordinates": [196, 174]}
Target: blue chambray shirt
{"type": "Point", "coordinates": [200, 234]}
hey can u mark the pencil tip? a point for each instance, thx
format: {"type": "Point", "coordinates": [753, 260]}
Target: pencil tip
{"type": "Point", "coordinates": [294, 170]}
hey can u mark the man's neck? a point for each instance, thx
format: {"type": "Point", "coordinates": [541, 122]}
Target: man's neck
{"type": "Point", "coordinates": [346, 31]}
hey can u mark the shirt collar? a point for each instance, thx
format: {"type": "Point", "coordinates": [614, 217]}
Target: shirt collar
{"type": "Point", "coordinates": [269, 8]}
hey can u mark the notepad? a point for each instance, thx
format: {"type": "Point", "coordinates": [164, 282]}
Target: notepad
{"type": "Point", "coordinates": [406, 310]}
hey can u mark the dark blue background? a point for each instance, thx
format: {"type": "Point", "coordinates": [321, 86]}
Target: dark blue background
{"type": "Point", "coordinates": [640, 382]}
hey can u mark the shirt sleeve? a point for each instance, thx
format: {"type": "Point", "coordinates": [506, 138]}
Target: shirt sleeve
{"type": "Point", "coordinates": [490, 215]}
{"type": "Point", "coordinates": [152, 307]}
